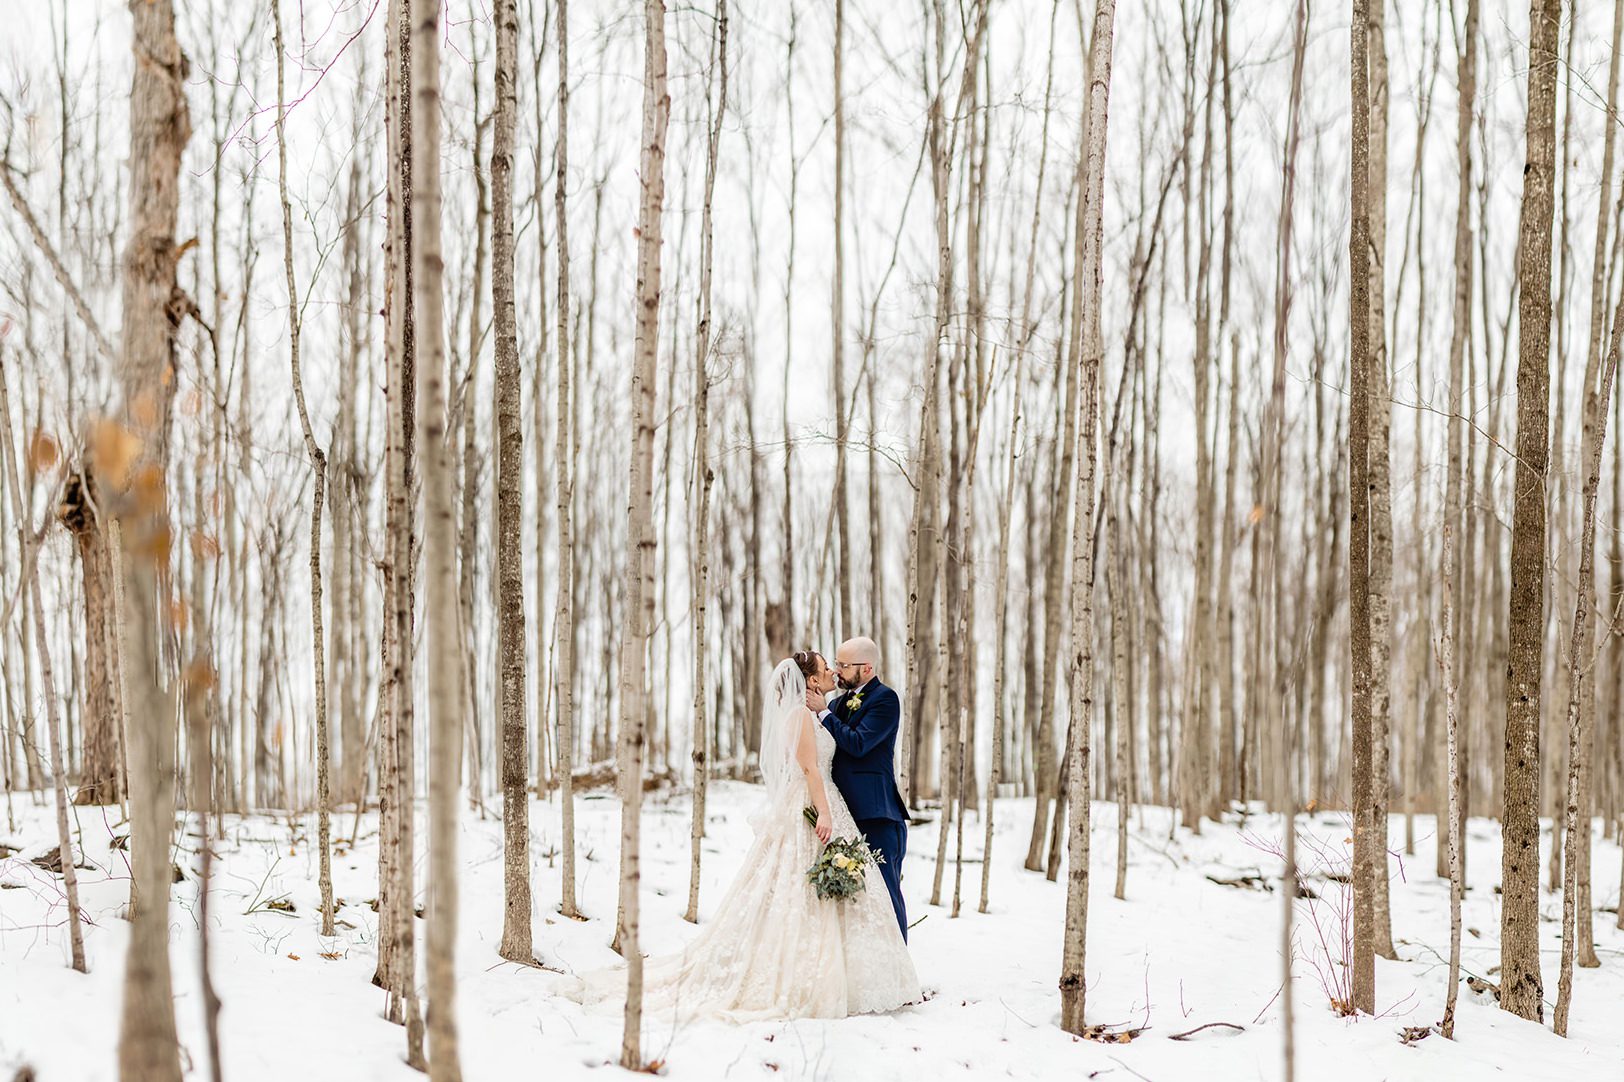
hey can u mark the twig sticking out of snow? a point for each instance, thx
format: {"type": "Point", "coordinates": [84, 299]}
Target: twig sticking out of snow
{"type": "Point", "coordinates": [1187, 1034]}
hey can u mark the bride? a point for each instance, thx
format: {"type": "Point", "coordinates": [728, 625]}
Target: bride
{"type": "Point", "coordinates": [773, 948]}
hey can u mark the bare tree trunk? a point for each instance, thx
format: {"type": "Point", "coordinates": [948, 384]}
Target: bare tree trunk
{"type": "Point", "coordinates": [397, 962]}
{"type": "Point", "coordinates": [1453, 569]}
{"type": "Point", "coordinates": [1577, 943]}
{"type": "Point", "coordinates": [546, 642]}
{"type": "Point", "coordinates": [440, 547]}
{"type": "Point", "coordinates": [461, 412]}
{"type": "Point", "coordinates": [1558, 491]}
{"type": "Point", "coordinates": [200, 680]}
{"type": "Point", "coordinates": [925, 579]}
{"type": "Point", "coordinates": [639, 570]}
{"type": "Point", "coordinates": [1273, 705]}
{"type": "Point", "coordinates": [1594, 421]}
{"type": "Point", "coordinates": [1521, 984]}
{"type": "Point", "coordinates": [564, 467]}
{"type": "Point", "coordinates": [1054, 581]}
{"type": "Point", "coordinates": [350, 673]}
{"type": "Point", "coordinates": [101, 779]}
{"type": "Point", "coordinates": [59, 776]}
{"type": "Point", "coordinates": [1089, 356]}
{"type": "Point", "coordinates": [1381, 515]}
{"type": "Point", "coordinates": [1579, 665]}
{"type": "Point", "coordinates": [702, 469]}
{"type": "Point", "coordinates": [318, 464]}
{"type": "Point", "coordinates": [1366, 841]}
{"type": "Point", "coordinates": [516, 943]}
{"type": "Point", "coordinates": [1116, 571]}
{"type": "Point", "coordinates": [788, 622]}
{"type": "Point", "coordinates": [159, 128]}
{"type": "Point", "coordinates": [1001, 629]}
{"type": "Point", "coordinates": [837, 324]}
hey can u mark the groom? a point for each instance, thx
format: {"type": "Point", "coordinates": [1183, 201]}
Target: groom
{"type": "Point", "coordinates": [864, 723]}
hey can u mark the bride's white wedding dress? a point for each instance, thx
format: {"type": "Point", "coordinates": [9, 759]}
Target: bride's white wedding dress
{"type": "Point", "coordinates": [772, 948]}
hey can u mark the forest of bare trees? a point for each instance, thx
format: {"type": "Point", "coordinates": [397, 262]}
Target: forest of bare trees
{"type": "Point", "coordinates": [420, 416]}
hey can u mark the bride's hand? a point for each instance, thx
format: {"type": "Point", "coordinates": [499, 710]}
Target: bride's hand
{"type": "Point", "coordinates": [825, 830]}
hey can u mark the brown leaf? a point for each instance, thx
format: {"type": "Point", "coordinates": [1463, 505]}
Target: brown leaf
{"type": "Point", "coordinates": [154, 546]}
{"type": "Point", "coordinates": [199, 676]}
{"type": "Point", "coordinates": [295, 957]}
{"type": "Point", "coordinates": [42, 451]}
{"type": "Point", "coordinates": [144, 410]}
{"type": "Point", "coordinates": [149, 487]}
{"type": "Point", "coordinates": [113, 451]}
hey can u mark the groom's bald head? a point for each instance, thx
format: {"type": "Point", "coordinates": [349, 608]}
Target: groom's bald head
{"type": "Point", "coordinates": [856, 662]}
{"type": "Point", "coordinates": [861, 651]}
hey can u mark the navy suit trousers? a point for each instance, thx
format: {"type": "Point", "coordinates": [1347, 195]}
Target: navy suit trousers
{"type": "Point", "coordinates": [889, 838]}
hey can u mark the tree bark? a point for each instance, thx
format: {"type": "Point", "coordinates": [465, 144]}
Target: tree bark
{"type": "Point", "coordinates": [1594, 421]}
{"type": "Point", "coordinates": [1366, 842]}
{"type": "Point", "coordinates": [516, 943]}
{"type": "Point", "coordinates": [1577, 942]}
{"type": "Point", "coordinates": [837, 334]}
{"type": "Point", "coordinates": [702, 469]}
{"type": "Point", "coordinates": [440, 546]}
{"type": "Point", "coordinates": [1579, 671]}
{"type": "Point", "coordinates": [1454, 508]}
{"type": "Point", "coordinates": [564, 468]}
{"type": "Point", "coordinates": [397, 955]}
{"type": "Point", "coordinates": [101, 775]}
{"type": "Point", "coordinates": [59, 776]}
{"type": "Point", "coordinates": [159, 128]}
{"type": "Point", "coordinates": [1088, 357]}
{"type": "Point", "coordinates": [1521, 985]}
{"type": "Point", "coordinates": [1381, 514]}
{"type": "Point", "coordinates": [640, 538]}
{"type": "Point", "coordinates": [318, 465]}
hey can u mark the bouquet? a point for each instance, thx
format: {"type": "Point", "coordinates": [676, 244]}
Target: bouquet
{"type": "Point", "coordinates": [838, 871]}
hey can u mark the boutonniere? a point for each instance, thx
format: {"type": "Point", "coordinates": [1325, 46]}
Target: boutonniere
{"type": "Point", "coordinates": [854, 700]}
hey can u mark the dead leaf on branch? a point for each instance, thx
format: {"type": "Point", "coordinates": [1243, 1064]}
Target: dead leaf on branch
{"type": "Point", "coordinates": [42, 451]}
{"type": "Point", "coordinates": [113, 451]}
{"type": "Point", "coordinates": [144, 408]}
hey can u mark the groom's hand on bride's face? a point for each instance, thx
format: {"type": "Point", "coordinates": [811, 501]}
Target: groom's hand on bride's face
{"type": "Point", "coordinates": [815, 701]}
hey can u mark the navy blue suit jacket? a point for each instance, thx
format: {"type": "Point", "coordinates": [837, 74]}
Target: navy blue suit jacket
{"type": "Point", "coordinates": [866, 739]}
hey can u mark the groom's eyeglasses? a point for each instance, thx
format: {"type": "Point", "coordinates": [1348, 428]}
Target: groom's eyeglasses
{"type": "Point", "coordinates": [848, 664]}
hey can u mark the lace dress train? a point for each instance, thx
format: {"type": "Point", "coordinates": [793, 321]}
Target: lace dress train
{"type": "Point", "coordinates": [773, 949]}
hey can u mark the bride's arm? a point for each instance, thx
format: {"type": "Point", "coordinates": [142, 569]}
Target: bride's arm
{"type": "Point", "coordinates": [806, 754]}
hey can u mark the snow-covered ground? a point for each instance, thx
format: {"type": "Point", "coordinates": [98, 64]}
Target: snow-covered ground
{"type": "Point", "coordinates": [1180, 952]}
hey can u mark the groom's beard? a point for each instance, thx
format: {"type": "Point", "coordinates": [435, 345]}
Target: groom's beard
{"type": "Point", "coordinates": [848, 685]}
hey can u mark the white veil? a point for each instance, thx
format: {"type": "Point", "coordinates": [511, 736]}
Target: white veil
{"type": "Point", "coordinates": [781, 718]}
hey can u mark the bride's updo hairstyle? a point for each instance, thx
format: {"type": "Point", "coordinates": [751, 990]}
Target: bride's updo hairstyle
{"type": "Point", "coordinates": [808, 662]}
